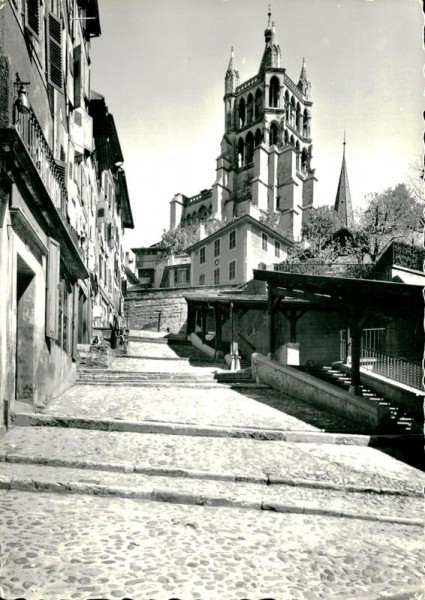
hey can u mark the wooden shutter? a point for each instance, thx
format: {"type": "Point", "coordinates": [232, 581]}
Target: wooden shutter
{"type": "Point", "coordinates": [32, 16]}
{"type": "Point", "coordinates": [54, 53]}
{"type": "Point", "coordinates": [78, 96]}
{"type": "Point", "coordinates": [52, 291]}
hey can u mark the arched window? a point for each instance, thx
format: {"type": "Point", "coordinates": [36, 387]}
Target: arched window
{"type": "Point", "coordinates": [286, 137]}
{"type": "Point", "coordinates": [297, 158]}
{"type": "Point", "coordinates": [249, 109]}
{"type": "Point", "coordinates": [194, 218]}
{"type": "Point", "coordinates": [241, 152]}
{"type": "Point", "coordinates": [242, 114]}
{"type": "Point", "coordinates": [202, 214]}
{"type": "Point", "coordinates": [249, 151]}
{"type": "Point", "coordinates": [258, 137]}
{"type": "Point", "coordinates": [210, 210]}
{"type": "Point", "coordinates": [274, 134]}
{"type": "Point", "coordinates": [298, 118]}
{"type": "Point", "coordinates": [188, 221]}
{"type": "Point", "coordinates": [287, 106]}
{"type": "Point", "coordinates": [304, 161]}
{"type": "Point", "coordinates": [292, 118]}
{"type": "Point", "coordinates": [306, 124]}
{"type": "Point", "coordinates": [258, 106]}
{"type": "Point", "coordinates": [292, 140]}
{"type": "Point", "coordinates": [274, 92]}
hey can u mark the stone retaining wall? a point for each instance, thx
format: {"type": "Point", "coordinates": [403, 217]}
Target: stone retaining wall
{"type": "Point", "coordinates": [160, 309]}
{"type": "Point", "coordinates": [306, 387]}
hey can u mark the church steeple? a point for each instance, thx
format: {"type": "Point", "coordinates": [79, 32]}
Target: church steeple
{"type": "Point", "coordinates": [343, 206]}
{"type": "Point", "coordinates": [272, 53]}
{"type": "Point", "coordinates": [231, 80]}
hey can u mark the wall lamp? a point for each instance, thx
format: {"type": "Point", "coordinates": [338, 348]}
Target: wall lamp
{"type": "Point", "coordinates": [22, 103]}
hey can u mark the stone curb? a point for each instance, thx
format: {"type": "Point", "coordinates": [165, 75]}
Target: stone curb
{"type": "Point", "coordinates": [159, 495]}
{"type": "Point", "coordinates": [166, 358]}
{"type": "Point", "coordinates": [409, 593]}
{"type": "Point", "coordinates": [264, 479]}
{"type": "Point", "coordinates": [313, 437]}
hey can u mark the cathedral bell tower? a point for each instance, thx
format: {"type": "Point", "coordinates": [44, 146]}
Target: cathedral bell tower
{"type": "Point", "coordinates": [266, 150]}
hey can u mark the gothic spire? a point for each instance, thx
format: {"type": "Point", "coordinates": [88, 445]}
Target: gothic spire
{"type": "Point", "coordinates": [232, 75]}
{"type": "Point", "coordinates": [343, 206]}
{"type": "Point", "coordinates": [272, 54]}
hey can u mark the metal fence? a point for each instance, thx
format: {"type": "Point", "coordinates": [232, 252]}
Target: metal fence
{"type": "Point", "coordinates": [394, 367]}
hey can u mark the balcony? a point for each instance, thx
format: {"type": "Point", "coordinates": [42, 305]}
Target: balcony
{"type": "Point", "coordinates": [34, 168]}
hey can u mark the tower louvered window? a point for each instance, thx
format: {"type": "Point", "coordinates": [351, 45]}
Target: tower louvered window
{"type": "Point", "coordinates": [32, 16]}
{"type": "Point", "coordinates": [54, 67]}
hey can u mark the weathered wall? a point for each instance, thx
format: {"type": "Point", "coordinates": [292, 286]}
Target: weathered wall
{"type": "Point", "coordinates": [160, 309]}
{"type": "Point", "coordinates": [317, 334]}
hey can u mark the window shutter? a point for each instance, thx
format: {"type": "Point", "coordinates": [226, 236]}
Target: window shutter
{"type": "Point", "coordinates": [54, 45]}
{"type": "Point", "coordinates": [52, 295]}
{"type": "Point", "coordinates": [32, 16]}
{"type": "Point", "coordinates": [78, 96]}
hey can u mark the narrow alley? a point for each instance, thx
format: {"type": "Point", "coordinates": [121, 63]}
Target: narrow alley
{"type": "Point", "coordinates": [168, 477]}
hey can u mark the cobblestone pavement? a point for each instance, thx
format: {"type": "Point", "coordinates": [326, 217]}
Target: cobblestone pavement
{"type": "Point", "coordinates": [213, 406]}
{"type": "Point", "coordinates": [118, 548]}
{"type": "Point", "coordinates": [343, 465]}
{"type": "Point", "coordinates": [186, 490]}
{"type": "Point", "coordinates": [156, 516]}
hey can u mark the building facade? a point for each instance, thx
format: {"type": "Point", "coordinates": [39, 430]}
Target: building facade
{"type": "Point", "coordinates": [266, 150]}
{"type": "Point", "coordinates": [230, 254]}
{"type": "Point", "coordinates": [57, 170]}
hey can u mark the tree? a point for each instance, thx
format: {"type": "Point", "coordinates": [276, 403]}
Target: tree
{"type": "Point", "coordinates": [175, 241]}
{"type": "Point", "coordinates": [396, 213]}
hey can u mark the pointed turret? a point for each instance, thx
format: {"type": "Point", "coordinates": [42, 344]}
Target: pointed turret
{"type": "Point", "coordinates": [343, 206]}
{"type": "Point", "coordinates": [232, 75]}
{"type": "Point", "coordinates": [303, 84]}
{"type": "Point", "coordinates": [272, 53]}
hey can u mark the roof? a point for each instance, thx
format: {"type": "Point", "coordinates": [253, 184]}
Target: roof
{"type": "Point", "coordinates": [343, 204]}
{"type": "Point", "coordinates": [235, 224]}
{"type": "Point", "coordinates": [348, 294]}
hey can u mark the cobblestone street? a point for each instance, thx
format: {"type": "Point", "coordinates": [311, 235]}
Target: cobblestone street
{"type": "Point", "coordinates": [177, 486]}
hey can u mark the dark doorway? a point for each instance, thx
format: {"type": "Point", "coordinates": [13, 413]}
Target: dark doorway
{"type": "Point", "coordinates": [25, 327]}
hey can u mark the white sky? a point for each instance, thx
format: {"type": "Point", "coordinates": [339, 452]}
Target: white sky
{"type": "Point", "coordinates": [161, 63]}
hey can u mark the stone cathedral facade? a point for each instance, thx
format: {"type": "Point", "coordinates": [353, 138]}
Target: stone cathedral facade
{"type": "Point", "coordinates": [266, 150]}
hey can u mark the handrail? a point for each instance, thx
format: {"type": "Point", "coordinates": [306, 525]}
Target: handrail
{"type": "Point", "coordinates": [394, 367]}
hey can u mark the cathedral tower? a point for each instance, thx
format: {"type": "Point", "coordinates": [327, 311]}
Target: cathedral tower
{"type": "Point", "coordinates": [266, 151]}
{"type": "Point", "coordinates": [265, 160]}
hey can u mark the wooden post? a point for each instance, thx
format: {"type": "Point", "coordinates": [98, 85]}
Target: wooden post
{"type": "Point", "coordinates": [293, 323]}
{"type": "Point", "coordinates": [190, 326]}
{"type": "Point", "coordinates": [218, 337]}
{"type": "Point", "coordinates": [356, 334]}
{"type": "Point", "coordinates": [204, 323]}
{"type": "Point", "coordinates": [272, 323]}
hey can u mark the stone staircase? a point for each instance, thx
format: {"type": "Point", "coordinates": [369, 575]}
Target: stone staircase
{"type": "Point", "coordinates": [398, 419]}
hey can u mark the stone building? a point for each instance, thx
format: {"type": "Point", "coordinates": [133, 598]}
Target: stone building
{"type": "Point", "coordinates": [59, 168]}
{"type": "Point", "coordinates": [266, 151]}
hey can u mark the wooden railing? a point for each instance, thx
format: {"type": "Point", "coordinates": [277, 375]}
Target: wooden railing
{"type": "Point", "coordinates": [394, 367]}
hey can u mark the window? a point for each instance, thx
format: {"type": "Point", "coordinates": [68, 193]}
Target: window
{"type": "Point", "coordinates": [232, 240]}
{"type": "Point", "coordinates": [176, 277]}
{"type": "Point", "coordinates": [217, 248]}
{"type": "Point", "coordinates": [264, 241]}
{"type": "Point", "coordinates": [232, 270]}
{"type": "Point", "coordinates": [277, 249]}
{"type": "Point", "coordinates": [216, 276]}
{"type": "Point", "coordinates": [54, 46]}
{"type": "Point", "coordinates": [202, 255]}
{"type": "Point", "coordinates": [32, 16]}
{"type": "Point", "coordinates": [202, 279]}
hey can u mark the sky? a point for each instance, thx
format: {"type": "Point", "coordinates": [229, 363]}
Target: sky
{"type": "Point", "coordinates": [161, 64]}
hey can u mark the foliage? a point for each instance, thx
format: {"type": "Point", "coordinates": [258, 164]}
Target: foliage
{"type": "Point", "coordinates": [175, 241]}
{"type": "Point", "coordinates": [394, 214]}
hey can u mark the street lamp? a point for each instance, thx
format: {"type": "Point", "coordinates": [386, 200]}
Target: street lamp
{"type": "Point", "coordinates": [22, 103]}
